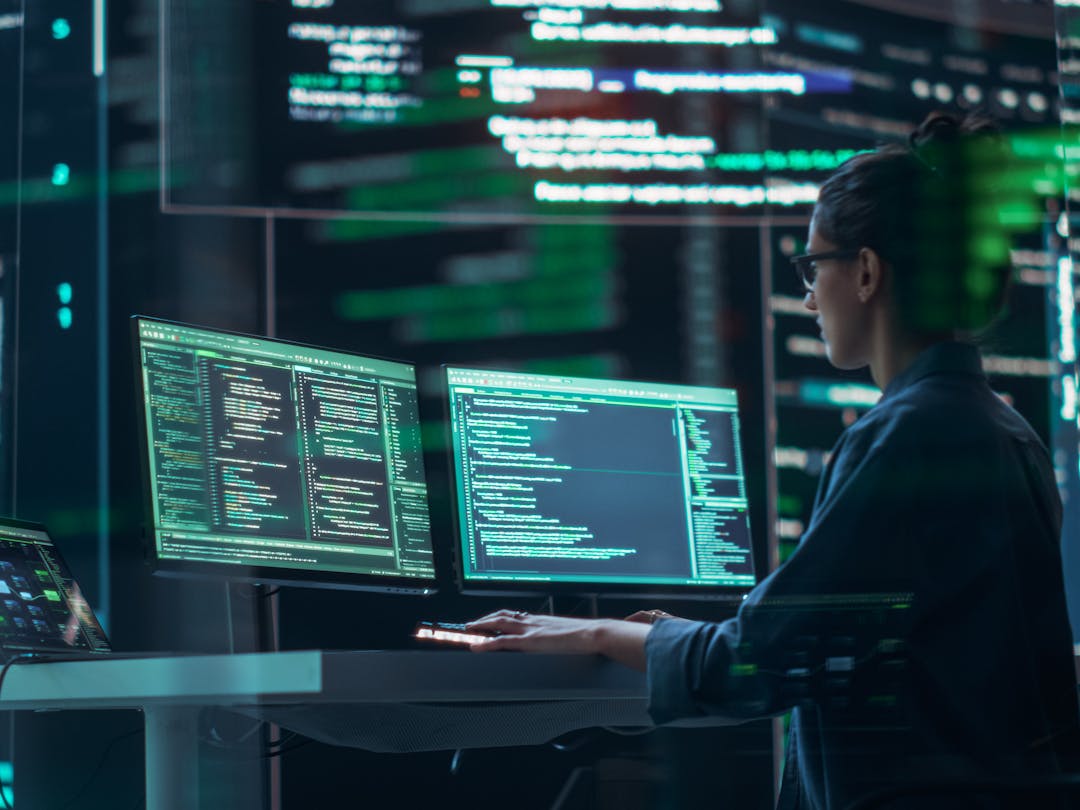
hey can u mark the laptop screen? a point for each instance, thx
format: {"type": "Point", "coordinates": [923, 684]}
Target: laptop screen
{"type": "Point", "coordinates": [41, 606]}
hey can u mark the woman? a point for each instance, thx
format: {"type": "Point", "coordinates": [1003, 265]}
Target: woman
{"type": "Point", "coordinates": [940, 499]}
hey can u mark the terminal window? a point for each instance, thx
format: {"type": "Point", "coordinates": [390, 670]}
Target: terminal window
{"type": "Point", "coordinates": [265, 453]}
{"type": "Point", "coordinates": [591, 481]}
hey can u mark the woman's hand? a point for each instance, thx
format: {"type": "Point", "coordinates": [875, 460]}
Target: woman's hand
{"type": "Point", "coordinates": [537, 633]}
{"type": "Point", "coordinates": [528, 632]}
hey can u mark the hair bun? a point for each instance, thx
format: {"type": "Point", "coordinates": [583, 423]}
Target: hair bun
{"type": "Point", "coordinates": [941, 128]}
{"type": "Point", "coordinates": [937, 127]}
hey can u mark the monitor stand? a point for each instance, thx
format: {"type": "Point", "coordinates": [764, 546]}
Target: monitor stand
{"type": "Point", "coordinates": [586, 606]}
{"type": "Point", "coordinates": [252, 617]}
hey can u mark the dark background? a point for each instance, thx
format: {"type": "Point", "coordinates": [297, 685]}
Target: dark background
{"type": "Point", "coordinates": [702, 296]}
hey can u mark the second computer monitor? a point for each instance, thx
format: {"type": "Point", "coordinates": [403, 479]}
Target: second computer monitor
{"type": "Point", "coordinates": [595, 486]}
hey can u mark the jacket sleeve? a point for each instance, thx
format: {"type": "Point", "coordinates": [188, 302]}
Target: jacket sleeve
{"type": "Point", "coordinates": [853, 552]}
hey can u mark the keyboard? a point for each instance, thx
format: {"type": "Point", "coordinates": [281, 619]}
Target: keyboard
{"type": "Point", "coordinates": [450, 633]}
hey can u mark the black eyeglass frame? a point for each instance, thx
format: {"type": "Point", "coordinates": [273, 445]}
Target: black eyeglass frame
{"type": "Point", "coordinates": [805, 269]}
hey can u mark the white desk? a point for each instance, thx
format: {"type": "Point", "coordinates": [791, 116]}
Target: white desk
{"type": "Point", "coordinates": [378, 700]}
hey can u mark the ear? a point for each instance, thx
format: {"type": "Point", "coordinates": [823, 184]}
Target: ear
{"type": "Point", "coordinates": [871, 269]}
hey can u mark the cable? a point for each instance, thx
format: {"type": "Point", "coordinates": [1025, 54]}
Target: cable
{"type": "Point", "coordinates": [279, 743]}
{"type": "Point", "coordinates": [283, 751]}
{"type": "Point", "coordinates": [100, 765]}
{"type": "Point", "coordinates": [34, 658]}
{"type": "Point", "coordinates": [18, 659]}
{"type": "Point", "coordinates": [216, 740]}
{"type": "Point", "coordinates": [22, 658]}
{"type": "Point", "coordinates": [274, 747]}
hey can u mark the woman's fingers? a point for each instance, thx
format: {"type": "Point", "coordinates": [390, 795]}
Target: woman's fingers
{"type": "Point", "coordinates": [505, 621]}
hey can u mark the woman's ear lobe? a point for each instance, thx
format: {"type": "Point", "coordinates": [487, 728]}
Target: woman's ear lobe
{"type": "Point", "coordinates": [871, 270]}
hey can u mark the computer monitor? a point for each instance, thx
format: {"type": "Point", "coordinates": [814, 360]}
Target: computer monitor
{"type": "Point", "coordinates": [598, 486]}
{"type": "Point", "coordinates": [272, 461]}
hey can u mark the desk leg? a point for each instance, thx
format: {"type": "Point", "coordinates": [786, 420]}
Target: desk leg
{"type": "Point", "coordinates": [172, 758]}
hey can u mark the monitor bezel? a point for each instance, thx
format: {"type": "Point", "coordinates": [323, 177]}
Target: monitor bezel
{"type": "Point", "coordinates": [724, 594]}
{"type": "Point", "coordinates": [253, 574]}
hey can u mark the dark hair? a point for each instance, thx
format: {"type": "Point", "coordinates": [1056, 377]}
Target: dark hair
{"type": "Point", "coordinates": [922, 206]}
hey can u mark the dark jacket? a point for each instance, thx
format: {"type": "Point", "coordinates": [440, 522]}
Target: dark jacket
{"type": "Point", "coordinates": [919, 631]}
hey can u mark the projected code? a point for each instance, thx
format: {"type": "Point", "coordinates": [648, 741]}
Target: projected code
{"type": "Point", "coordinates": [261, 463]}
{"type": "Point", "coordinates": [366, 75]}
{"type": "Point", "coordinates": [377, 68]}
{"type": "Point", "coordinates": [577, 489]}
{"type": "Point", "coordinates": [651, 36]}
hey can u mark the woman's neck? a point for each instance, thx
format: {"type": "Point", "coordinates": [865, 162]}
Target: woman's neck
{"type": "Point", "coordinates": [894, 350]}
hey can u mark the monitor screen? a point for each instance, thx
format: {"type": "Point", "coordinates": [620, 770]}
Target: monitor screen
{"type": "Point", "coordinates": [566, 483]}
{"type": "Point", "coordinates": [274, 461]}
{"type": "Point", "coordinates": [41, 606]}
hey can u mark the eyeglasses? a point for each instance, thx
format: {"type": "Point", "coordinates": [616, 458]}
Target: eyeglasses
{"type": "Point", "coordinates": [806, 264]}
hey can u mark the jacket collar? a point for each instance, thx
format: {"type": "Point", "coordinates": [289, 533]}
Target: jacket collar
{"type": "Point", "coordinates": [941, 358]}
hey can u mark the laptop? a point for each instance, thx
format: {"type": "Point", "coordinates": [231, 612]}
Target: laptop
{"type": "Point", "coordinates": [42, 609]}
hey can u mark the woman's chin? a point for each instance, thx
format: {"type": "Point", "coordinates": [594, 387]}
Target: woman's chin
{"type": "Point", "coordinates": [838, 360]}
